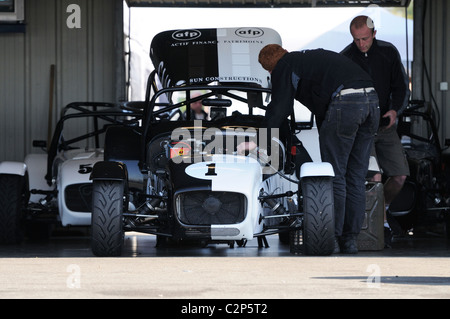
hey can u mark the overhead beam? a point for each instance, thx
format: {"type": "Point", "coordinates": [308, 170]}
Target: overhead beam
{"type": "Point", "coordinates": [266, 3]}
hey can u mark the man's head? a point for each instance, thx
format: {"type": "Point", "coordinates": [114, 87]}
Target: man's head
{"type": "Point", "coordinates": [363, 32]}
{"type": "Point", "coordinates": [270, 55]}
{"type": "Point", "coordinates": [196, 106]}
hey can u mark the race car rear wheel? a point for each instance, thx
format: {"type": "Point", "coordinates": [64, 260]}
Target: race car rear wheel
{"type": "Point", "coordinates": [13, 198]}
{"type": "Point", "coordinates": [107, 218]}
{"type": "Point", "coordinates": [318, 224]}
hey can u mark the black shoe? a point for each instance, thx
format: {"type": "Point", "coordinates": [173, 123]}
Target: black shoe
{"type": "Point", "coordinates": [337, 249]}
{"type": "Point", "coordinates": [388, 234]}
{"type": "Point", "coordinates": [349, 246]}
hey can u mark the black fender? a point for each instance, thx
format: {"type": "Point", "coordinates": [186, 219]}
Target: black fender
{"type": "Point", "coordinates": [104, 170]}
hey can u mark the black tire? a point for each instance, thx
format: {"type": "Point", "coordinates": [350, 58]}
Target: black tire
{"type": "Point", "coordinates": [107, 234]}
{"type": "Point", "coordinates": [447, 226]}
{"type": "Point", "coordinates": [13, 198]}
{"type": "Point", "coordinates": [284, 237]}
{"type": "Point", "coordinates": [318, 224]}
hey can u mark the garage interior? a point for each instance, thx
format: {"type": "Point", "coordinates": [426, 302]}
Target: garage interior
{"type": "Point", "coordinates": [88, 63]}
{"type": "Point", "coordinates": [46, 65]}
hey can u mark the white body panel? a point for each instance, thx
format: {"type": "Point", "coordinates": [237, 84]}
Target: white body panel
{"type": "Point", "coordinates": [310, 140]}
{"type": "Point", "coordinates": [244, 174]}
{"type": "Point", "coordinates": [234, 174]}
{"type": "Point", "coordinates": [75, 168]}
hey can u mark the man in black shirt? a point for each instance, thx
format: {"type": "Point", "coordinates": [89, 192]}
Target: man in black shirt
{"type": "Point", "coordinates": [342, 97]}
{"type": "Point", "coordinates": [382, 61]}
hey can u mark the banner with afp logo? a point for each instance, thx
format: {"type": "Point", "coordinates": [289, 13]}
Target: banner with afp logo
{"type": "Point", "coordinates": [202, 56]}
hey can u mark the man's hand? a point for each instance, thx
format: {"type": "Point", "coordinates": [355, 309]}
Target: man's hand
{"type": "Point", "coordinates": [246, 146]}
{"type": "Point", "coordinates": [392, 115]}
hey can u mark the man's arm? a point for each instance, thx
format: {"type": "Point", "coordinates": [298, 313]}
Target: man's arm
{"type": "Point", "coordinates": [283, 93]}
{"type": "Point", "coordinates": [399, 84]}
{"type": "Point", "coordinates": [279, 108]}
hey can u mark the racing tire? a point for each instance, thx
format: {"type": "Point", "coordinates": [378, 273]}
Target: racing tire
{"type": "Point", "coordinates": [107, 233]}
{"type": "Point", "coordinates": [13, 198]}
{"type": "Point", "coordinates": [318, 236]}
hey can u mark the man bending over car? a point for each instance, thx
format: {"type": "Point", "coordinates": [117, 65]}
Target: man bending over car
{"type": "Point", "coordinates": [342, 98]}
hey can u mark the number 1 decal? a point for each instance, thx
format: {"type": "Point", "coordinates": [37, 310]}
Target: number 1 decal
{"type": "Point", "coordinates": [211, 170]}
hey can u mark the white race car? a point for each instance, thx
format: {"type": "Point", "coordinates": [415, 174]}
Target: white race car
{"type": "Point", "coordinates": [54, 187]}
{"type": "Point", "coordinates": [191, 183]}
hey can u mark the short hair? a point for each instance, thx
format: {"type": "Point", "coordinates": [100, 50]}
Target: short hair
{"type": "Point", "coordinates": [360, 21]}
{"type": "Point", "coordinates": [270, 55]}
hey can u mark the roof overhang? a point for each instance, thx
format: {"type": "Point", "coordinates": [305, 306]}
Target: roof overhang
{"type": "Point", "coordinates": [266, 3]}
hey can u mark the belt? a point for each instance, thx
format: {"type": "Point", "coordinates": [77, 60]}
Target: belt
{"type": "Point", "coordinates": [355, 91]}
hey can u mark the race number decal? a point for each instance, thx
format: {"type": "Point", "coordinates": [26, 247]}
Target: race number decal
{"type": "Point", "coordinates": [211, 170]}
{"type": "Point", "coordinates": [85, 169]}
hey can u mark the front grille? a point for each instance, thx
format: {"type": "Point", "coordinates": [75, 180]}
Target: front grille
{"type": "Point", "coordinates": [208, 207]}
{"type": "Point", "coordinates": [78, 197]}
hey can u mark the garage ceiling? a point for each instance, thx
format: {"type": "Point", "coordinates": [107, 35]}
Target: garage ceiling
{"type": "Point", "coordinates": [266, 3]}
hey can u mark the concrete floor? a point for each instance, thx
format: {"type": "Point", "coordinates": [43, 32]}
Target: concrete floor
{"type": "Point", "coordinates": [63, 267]}
{"type": "Point", "coordinates": [76, 243]}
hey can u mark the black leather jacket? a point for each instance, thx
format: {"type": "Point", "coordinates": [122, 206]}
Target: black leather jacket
{"type": "Point", "coordinates": [383, 63]}
{"type": "Point", "coordinates": [312, 77]}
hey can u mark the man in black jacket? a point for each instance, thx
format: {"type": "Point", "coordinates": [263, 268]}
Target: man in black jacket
{"type": "Point", "coordinates": [342, 97]}
{"type": "Point", "coordinates": [382, 61]}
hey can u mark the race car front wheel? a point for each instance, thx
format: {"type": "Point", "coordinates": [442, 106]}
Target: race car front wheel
{"type": "Point", "coordinates": [107, 218]}
{"type": "Point", "coordinates": [318, 208]}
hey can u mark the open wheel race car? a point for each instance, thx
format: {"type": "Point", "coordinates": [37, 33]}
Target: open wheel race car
{"type": "Point", "coordinates": [185, 180]}
{"type": "Point", "coordinates": [54, 187]}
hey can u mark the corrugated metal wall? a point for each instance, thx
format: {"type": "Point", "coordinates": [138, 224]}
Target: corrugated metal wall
{"type": "Point", "coordinates": [12, 96]}
{"type": "Point", "coordinates": [431, 65]}
{"type": "Point", "coordinates": [437, 60]}
{"type": "Point", "coordinates": [85, 62]}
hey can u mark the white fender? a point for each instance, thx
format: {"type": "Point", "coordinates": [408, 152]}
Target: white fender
{"type": "Point", "coordinates": [316, 169]}
{"type": "Point", "coordinates": [75, 170]}
{"type": "Point", "coordinates": [13, 168]}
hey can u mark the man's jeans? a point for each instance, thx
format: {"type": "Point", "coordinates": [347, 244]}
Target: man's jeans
{"type": "Point", "coordinates": [346, 137]}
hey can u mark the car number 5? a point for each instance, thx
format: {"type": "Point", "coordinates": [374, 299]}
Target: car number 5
{"type": "Point", "coordinates": [85, 169]}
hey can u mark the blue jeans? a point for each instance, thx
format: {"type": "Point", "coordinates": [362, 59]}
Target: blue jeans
{"type": "Point", "coordinates": [346, 137]}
